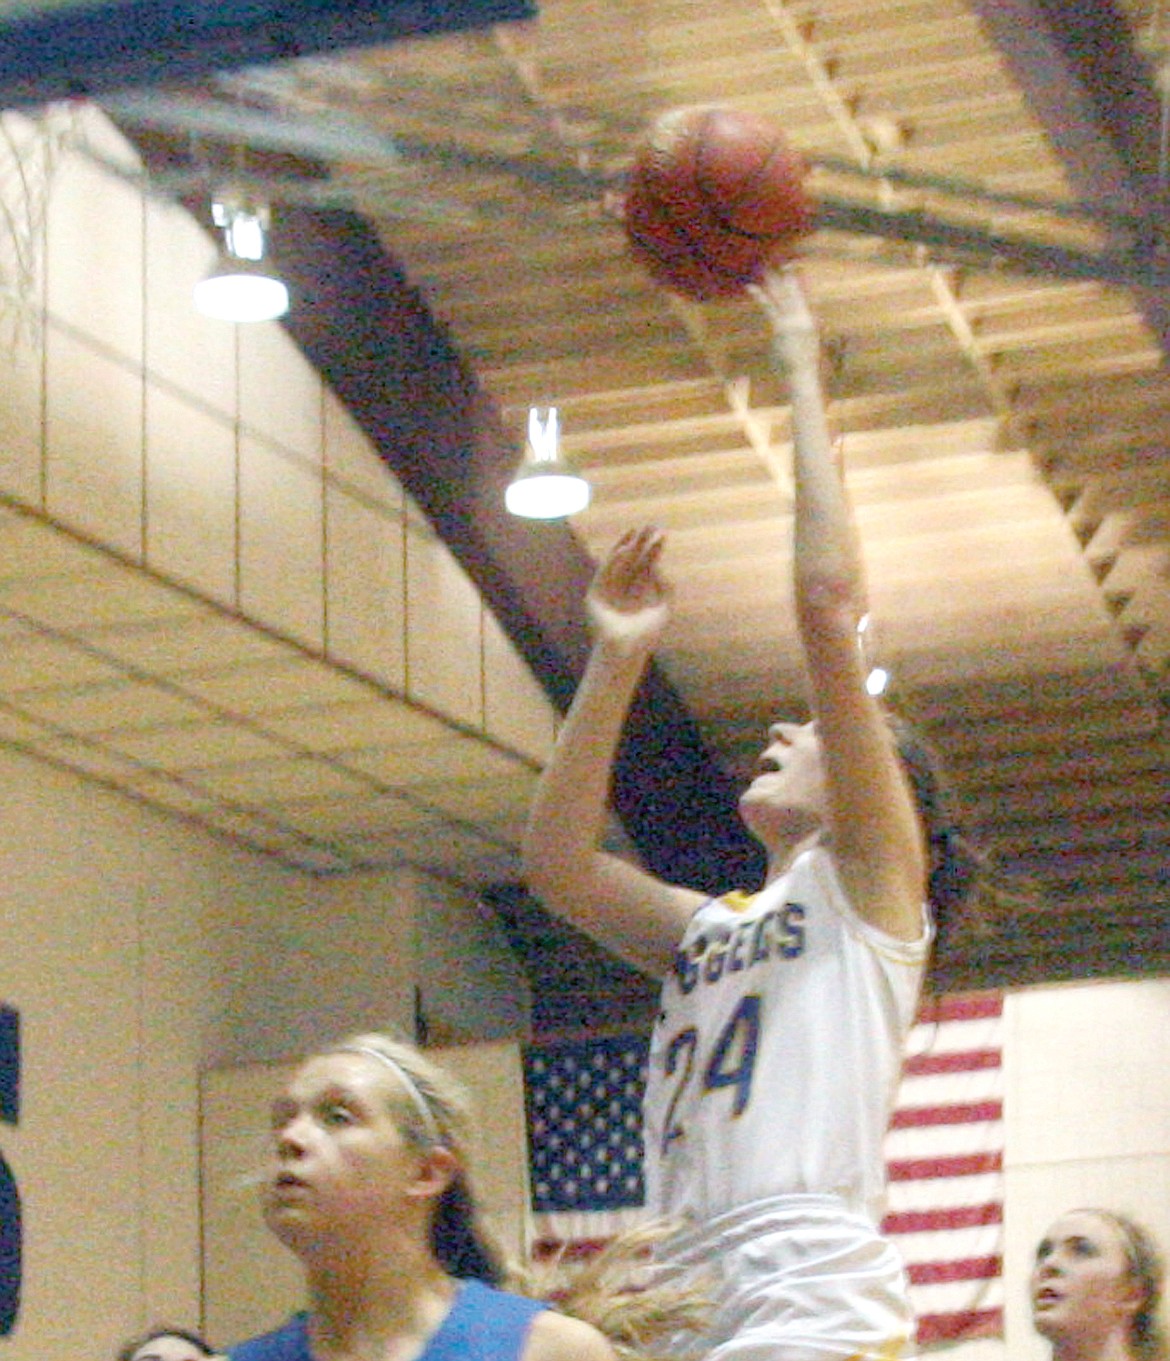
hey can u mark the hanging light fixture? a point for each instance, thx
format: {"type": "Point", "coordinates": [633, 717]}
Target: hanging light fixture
{"type": "Point", "coordinates": [241, 286]}
{"type": "Point", "coordinates": [544, 487]}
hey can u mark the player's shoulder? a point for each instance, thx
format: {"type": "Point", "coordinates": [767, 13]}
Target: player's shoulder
{"type": "Point", "coordinates": [810, 875]}
{"type": "Point", "coordinates": [289, 1342]}
{"type": "Point", "coordinates": [558, 1337]}
{"type": "Point", "coordinates": [742, 902]}
{"type": "Point", "coordinates": [738, 901]}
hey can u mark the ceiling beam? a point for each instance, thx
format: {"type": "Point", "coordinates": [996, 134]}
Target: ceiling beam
{"type": "Point", "coordinates": [69, 48]}
{"type": "Point", "coordinates": [368, 332]}
{"type": "Point", "coordinates": [1090, 89]}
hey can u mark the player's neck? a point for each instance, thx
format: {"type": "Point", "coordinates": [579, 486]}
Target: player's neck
{"type": "Point", "coordinates": [380, 1311]}
{"type": "Point", "coordinates": [1112, 1347]}
{"type": "Point", "coordinates": [782, 855]}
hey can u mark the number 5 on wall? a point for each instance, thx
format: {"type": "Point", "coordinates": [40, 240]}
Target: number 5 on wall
{"type": "Point", "coordinates": [10, 1222]}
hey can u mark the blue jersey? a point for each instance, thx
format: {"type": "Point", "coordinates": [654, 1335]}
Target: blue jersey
{"type": "Point", "coordinates": [483, 1324]}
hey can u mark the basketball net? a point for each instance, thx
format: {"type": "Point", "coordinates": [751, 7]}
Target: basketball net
{"type": "Point", "coordinates": [30, 146]}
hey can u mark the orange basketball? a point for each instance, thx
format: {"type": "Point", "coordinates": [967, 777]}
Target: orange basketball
{"type": "Point", "coordinates": [714, 196]}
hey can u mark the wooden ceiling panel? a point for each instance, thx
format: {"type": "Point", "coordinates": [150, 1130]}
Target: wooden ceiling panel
{"type": "Point", "coordinates": [1006, 428]}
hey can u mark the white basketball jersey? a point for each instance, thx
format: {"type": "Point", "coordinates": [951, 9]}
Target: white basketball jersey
{"type": "Point", "coordinates": [776, 1054]}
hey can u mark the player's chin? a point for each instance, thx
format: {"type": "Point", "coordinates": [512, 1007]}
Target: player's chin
{"type": "Point", "coordinates": [1045, 1322]}
{"type": "Point", "coordinates": [289, 1226]}
{"type": "Point", "coordinates": [769, 815]}
{"type": "Point", "coordinates": [279, 1209]}
{"type": "Point", "coordinates": [772, 789]}
{"type": "Point", "coordinates": [758, 810]}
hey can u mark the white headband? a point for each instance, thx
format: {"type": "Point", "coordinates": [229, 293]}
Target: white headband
{"type": "Point", "coordinates": [420, 1103]}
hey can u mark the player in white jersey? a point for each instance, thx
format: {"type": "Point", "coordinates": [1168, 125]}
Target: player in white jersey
{"type": "Point", "coordinates": [775, 1057]}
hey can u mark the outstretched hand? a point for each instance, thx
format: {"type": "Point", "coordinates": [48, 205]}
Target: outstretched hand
{"type": "Point", "coordinates": [628, 601]}
{"type": "Point", "coordinates": [782, 298]}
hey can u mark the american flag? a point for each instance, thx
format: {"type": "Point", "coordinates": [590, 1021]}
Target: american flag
{"type": "Point", "coordinates": [944, 1156]}
{"type": "Point", "coordinates": [583, 1102]}
{"type": "Point", "coordinates": [944, 1153]}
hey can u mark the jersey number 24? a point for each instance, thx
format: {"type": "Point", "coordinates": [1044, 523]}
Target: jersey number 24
{"type": "Point", "coordinates": [731, 1063]}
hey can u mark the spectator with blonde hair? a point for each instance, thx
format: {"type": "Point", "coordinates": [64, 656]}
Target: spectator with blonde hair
{"type": "Point", "coordinates": [1096, 1287]}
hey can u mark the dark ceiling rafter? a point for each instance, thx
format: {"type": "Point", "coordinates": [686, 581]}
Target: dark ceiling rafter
{"type": "Point", "coordinates": [1091, 91]}
{"type": "Point", "coordinates": [367, 330]}
{"type": "Point", "coordinates": [76, 48]}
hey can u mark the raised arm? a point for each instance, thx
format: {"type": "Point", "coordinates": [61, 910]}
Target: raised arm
{"type": "Point", "coordinates": [873, 823]}
{"type": "Point", "coordinates": [637, 915]}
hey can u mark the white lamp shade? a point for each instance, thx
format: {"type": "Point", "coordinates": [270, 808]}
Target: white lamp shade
{"type": "Point", "coordinates": [545, 487]}
{"type": "Point", "coordinates": [234, 292]}
{"type": "Point", "coordinates": [547, 495]}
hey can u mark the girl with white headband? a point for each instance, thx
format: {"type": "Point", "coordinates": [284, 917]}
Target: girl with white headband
{"type": "Point", "coordinates": [369, 1188]}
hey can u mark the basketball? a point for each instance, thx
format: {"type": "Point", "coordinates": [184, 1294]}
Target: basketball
{"type": "Point", "coordinates": [714, 197]}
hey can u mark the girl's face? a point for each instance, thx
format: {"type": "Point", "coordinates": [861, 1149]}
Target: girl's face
{"type": "Point", "coordinates": [789, 783]}
{"type": "Point", "coordinates": [341, 1162]}
{"type": "Point", "coordinates": [1081, 1285]}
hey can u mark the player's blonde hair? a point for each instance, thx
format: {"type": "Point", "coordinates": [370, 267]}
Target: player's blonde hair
{"type": "Point", "coordinates": [617, 1292]}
